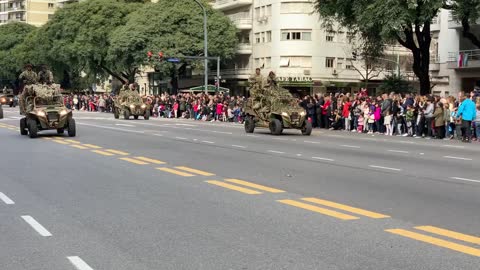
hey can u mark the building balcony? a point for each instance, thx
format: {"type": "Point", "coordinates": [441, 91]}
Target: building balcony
{"type": "Point", "coordinates": [17, 9]}
{"type": "Point", "coordinates": [434, 63]}
{"type": "Point", "coordinates": [243, 23]}
{"type": "Point", "coordinates": [236, 73]}
{"type": "Point", "coordinates": [231, 4]}
{"type": "Point", "coordinates": [244, 48]}
{"type": "Point", "coordinates": [464, 60]}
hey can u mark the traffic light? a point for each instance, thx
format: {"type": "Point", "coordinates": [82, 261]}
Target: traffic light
{"type": "Point", "coordinates": [160, 54]}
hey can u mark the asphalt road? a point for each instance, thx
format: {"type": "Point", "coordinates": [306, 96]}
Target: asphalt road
{"type": "Point", "coordinates": [180, 194]}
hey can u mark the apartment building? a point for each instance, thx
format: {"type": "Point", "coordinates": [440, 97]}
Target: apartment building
{"type": "Point", "coordinates": [287, 37]}
{"type": "Point", "coordinates": [35, 12]}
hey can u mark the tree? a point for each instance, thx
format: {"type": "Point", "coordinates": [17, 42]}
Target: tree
{"type": "Point", "coordinates": [174, 28]}
{"type": "Point", "coordinates": [467, 12]}
{"type": "Point", "coordinates": [405, 21]}
{"type": "Point", "coordinates": [395, 83]}
{"type": "Point", "coordinates": [11, 36]}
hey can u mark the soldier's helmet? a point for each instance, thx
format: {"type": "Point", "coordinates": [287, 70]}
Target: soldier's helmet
{"type": "Point", "coordinates": [28, 65]}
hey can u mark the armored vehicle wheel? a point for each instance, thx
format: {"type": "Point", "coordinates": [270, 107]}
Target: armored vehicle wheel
{"type": "Point", "coordinates": [71, 129]}
{"type": "Point", "coordinates": [32, 128]}
{"type": "Point", "coordinates": [249, 124]}
{"type": "Point", "coordinates": [135, 117]}
{"type": "Point", "coordinates": [116, 114]}
{"type": "Point", "coordinates": [307, 129]}
{"type": "Point", "coordinates": [126, 115]}
{"type": "Point", "coordinates": [276, 127]}
{"type": "Point", "coordinates": [147, 115]}
{"type": "Point", "coordinates": [23, 126]}
{"type": "Point", "coordinates": [60, 131]}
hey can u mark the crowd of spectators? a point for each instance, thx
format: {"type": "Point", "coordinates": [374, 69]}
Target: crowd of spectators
{"type": "Point", "coordinates": [390, 114]}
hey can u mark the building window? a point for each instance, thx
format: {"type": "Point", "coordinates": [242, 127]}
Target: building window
{"type": "Point", "coordinates": [263, 37]}
{"type": "Point", "coordinates": [349, 64]}
{"type": "Point", "coordinates": [329, 38]}
{"type": "Point", "coordinates": [268, 62]}
{"type": "Point", "coordinates": [257, 13]}
{"type": "Point", "coordinates": [339, 63]}
{"type": "Point", "coordinates": [257, 38]}
{"type": "Point", "coordinates": [296, 61]}
{"type": "Point", "coordinates": [51, 5]}
{"type": "Point", "coordinates": [50, 16]}
{"type": "Point", "coordinates": [269, 36]}
{"type": "Point", "coordinates": [268, 11]}
{"type": "Point", "coordinates": [329, 62]}
{"type": "Point", "coordinates": [257, 62]}
{"type": "Point", "coordinates": [296, 7]}
{"type": "Point", "coordinates": [296, 35]}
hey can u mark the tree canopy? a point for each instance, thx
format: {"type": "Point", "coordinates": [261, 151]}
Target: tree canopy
{"type": "Point", "coordinates": [11, 36]}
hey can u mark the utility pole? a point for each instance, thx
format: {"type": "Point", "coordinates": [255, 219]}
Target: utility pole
{"type": "Point", "coordinates": [205, 41]}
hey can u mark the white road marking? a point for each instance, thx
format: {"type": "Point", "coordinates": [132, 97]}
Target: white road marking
{"type": "Point", "coordinates": [79, 263]}
{"type": "Point", "coordinates": [254, 136]}
{"type": "Point", "coordinates": [325, 159]}
{"type": "Point", "coordinates": [299, 155]}
{"type": "Point", "coordinates": [112, 128]}
{"type": "Point", "coordinates": [238, 146]}
{"type": "Point", "coordinates": [460, 158]}
{"type": "Point", "coordinates": [398, 151]}
{"type": "Point", "coordinates": [36, 226]}
{"type": "Point", "coordinates": [384, 168]}
{"type": "Point", "coordinates": [6, 199]}
{"type": "Point", "coordinates": [208, 142]}
{"type": "Point", "coordinates": [465, 179]}
{"type": "Point", "coordinates": [180, 138]}
{"type": "Point", "coordinates": [311, 142]}
{"type": "Point", "coordinates": [350, 146]}
{"type": "Point", "coordinates": [186, 125]}
{"type": "Point", "coordinates": [280, 139]}
{"type": "Point", "coordinates": [421, 154]}
{"type": "Point", "coordinates": [124, 125]}
{"type": "Point", "coordinates": [159, 135]}
{"type": "Point", "coordinates": [454, 146]}
{"type": "Point", "coordinates": [275, 152]}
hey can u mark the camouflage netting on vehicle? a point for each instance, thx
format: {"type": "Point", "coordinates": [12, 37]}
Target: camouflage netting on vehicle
{"type": "Point", "coordinates": [129, 96]}
{"type": "Point", "coordinates": [271, 99]}
{"type": "Point", "coordinates": [43, 91]}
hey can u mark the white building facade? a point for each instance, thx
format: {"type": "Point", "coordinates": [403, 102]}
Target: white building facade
{"type": "Point", "coordinates": [287, 37]}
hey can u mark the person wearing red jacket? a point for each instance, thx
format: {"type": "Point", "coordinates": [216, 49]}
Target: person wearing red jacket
{"type": "Point", "coordinates": [325, 112]}
{"type": "Point", "coordinates": [346, 113]}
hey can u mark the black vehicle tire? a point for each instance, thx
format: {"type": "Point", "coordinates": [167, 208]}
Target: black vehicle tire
{"type": "Point", "coordinates": [147, 115]}
{"type": "Point", "coordinates": [135, 117]}
{"type": "Point", "coordinates": [23, 126]}
{"type": "Point", "coordinates": [126, 115]}
{"type": "Point", "coordinates": [116, 114]}
{"type": "Point", "coordinates": [276, 127]}
{"type": "Point", "coordinates": [10, 105]}
{"type": "Point", "coordinates": [249, 124]}
{"type": "Point", "coordinates": [60, 131]}
{"type": "Point", "coordinates": [32, 128]}
{"type": "Point", "coordinates": [307, 129]}
{"type": "Point", "coordinates": [1, 113]}
{"type": "Point", "coordinates": [71, 128]}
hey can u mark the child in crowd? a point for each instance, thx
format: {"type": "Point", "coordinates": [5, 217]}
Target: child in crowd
{"type": "Point", "coordinates": [410, 119]}
{"type": "Point", "coordinates": [387, 122]}
{"type": "Point", "coordinates": [371, 120]}
{"type": "Point", "coordinates": [361, 120]}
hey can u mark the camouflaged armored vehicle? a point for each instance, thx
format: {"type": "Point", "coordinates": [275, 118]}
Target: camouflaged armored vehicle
{"type": "Point", "coordinates": [44, 110]}
{"type": "Point", "coordinates": [131, 104]}
{"type": "Point", "coordinates": [275, 108]}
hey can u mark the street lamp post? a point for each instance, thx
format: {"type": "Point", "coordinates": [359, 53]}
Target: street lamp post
{"type": "Point", "coordinates": [205, 40]}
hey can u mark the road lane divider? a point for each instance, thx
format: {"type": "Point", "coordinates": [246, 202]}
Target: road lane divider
{"type": "Point", "coordinates": [255, 186]}
{"type": "Point", "coordinates": [79, 263]}
{"type": "Point", "coordinates": [319, 210]}
{"type": "Point", "coordinates": [60, 142]}
{"type": "Point", "coordinates": [46, 138]}
{"type": "Point", "coordinates": [79, 146]}
{"type": "Point", "coordinates": [234, 187]}
{"type": "Point", "coordinates": [149, 160]}
{"type": "Point", "coordinates": [450, 234]}
{"type": "Point", "coordinates": [73, 141]}
{"type": "Point", "coordinates": [436, 241]}
{"type": "Point", "coordinates": [347, 208]}
{"type": "Point", "coordinates": [384, 168]}
{"type": "Point", "coordinates": [134, 161]}
{"type": "Point", "coordinates": [92, 146]}
{"type": "Point", "coordinates": [195, 171]}
{"type": "Point", "coordinates": [6, 199]}
{"type": "Point", "coordinates": [116, 152]}
{"type": "Point", "coordinates": [37, 226]}
{"type": "Point", "coordinates": [176, 172]}
{"type": "Point", "coordinates": [103, 153]}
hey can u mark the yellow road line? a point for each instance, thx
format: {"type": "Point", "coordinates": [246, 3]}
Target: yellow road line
{"type": "Point", "coordinates": [451, 234]}
{"type": "Point", "coordinates": [253, 185]}
{"type": "Point", "coordinates": [73, 141]}
{"type": "Point", "coordinates": [175, 172]}
{"type": "Point", "coordinates": [103, 153]}
{"type": "Point", "coordinates": [92, 146]}
{"type": "Point", "coordinates": [46, 138]}
{"type": "Point", "coordinates": [436, 241]}
{"type": "Point", "coordinates": [131, 160]}
{"type": "Point", "coordinates": [346, 208]}
{"type": "Point", "coordinates": [60, 142]}
{"type": "Point", "coordinates": [117, 152]}
{"type": "Point", "coordinates": [154, 161]}
{"type": "Point", "coordinates": [317, 209]}
{"type": "Point", "coordinates": [233, 187]}
{"type": "Point", "coordinates": [187, 169]}
{"type": "Point", "coordinates": [79, 147]}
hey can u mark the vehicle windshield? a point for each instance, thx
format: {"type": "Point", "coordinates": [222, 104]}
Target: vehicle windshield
{"type": "Point", "coordinates": [50, 101]}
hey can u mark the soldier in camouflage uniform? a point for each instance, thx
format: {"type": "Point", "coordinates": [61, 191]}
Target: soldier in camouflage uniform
{"type": "Point", "coordinates": [45, 76]}
{"type": "Point", "coordinates": [28, 77]}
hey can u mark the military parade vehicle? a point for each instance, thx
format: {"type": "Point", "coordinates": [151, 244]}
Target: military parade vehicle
{"type": "Point", "coordinates": [43, 108]}
{"type": "Point", "coordinates": [8, 99]}
{"type": "Point", "coordinates": [131, 104]}
{"type": "Point", "coordinates": [273, 107]}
